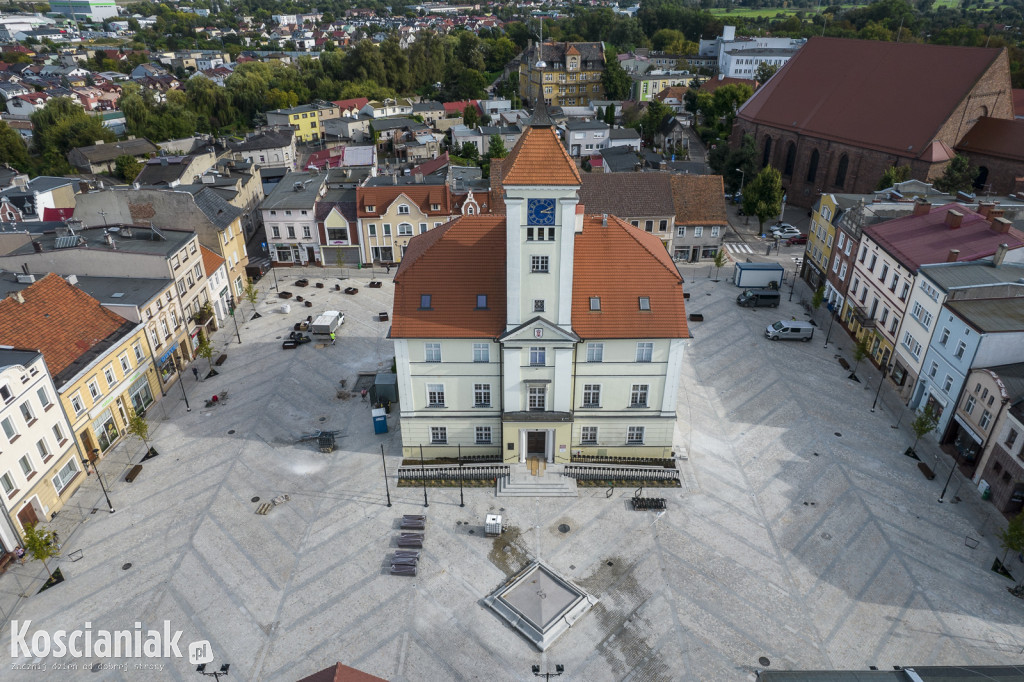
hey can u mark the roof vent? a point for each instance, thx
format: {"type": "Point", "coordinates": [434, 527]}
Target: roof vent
{"type": "Point", "coordinates": [953, 255]}
{"type": "Point", "coordinates": [1000, 254]}
{"type": "Point", "coordinates": [72, 279]}
{"type": "Point", "coordinates": [26, 279]}
{"type": "Point", "coordinates": [118, 294]}
{"type": "Point", "coordinates": [604, 220]}
{"type": "Point", "coordinates": [297, 186]}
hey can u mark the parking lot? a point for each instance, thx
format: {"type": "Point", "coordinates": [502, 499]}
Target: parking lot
{"type": "Point", "coordinates": [801, 535]}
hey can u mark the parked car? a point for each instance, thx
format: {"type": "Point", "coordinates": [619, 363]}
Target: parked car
{"type": "Point", "coordinates": [796, 330]}
{"type": "Point", "coordinates": [784, 231]}
{"type": "Point", "coordinates": [799, 239]}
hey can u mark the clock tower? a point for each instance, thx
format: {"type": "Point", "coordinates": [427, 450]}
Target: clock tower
{"type": "Point", "coordinates": [541, 184]}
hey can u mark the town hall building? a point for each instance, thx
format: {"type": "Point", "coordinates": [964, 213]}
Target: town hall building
{"type": "Point", "coordinates": [541, 333]}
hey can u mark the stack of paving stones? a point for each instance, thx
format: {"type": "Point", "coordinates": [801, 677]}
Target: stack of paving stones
{"type": "Point", "coordinates": [405, 560]}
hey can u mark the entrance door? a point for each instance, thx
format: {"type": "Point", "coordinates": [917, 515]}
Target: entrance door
{"type": "Point", "coordinates": [310, 254]}
{"type": "Point", "coordinates": [536, 444]}
{"type": "Point", "coordinates": [27, 515]}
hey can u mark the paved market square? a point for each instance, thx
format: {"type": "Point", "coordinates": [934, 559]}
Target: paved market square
{"type": "Point", "coordinates": [802, 534]}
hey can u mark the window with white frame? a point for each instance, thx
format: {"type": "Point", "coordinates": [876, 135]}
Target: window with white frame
{"type": "Point", "coordinates": [591, 395]}
{"type": "Point", "coordinates": [1011, 438]}
{"type": "Point", "coordinates": [6, 395]}
{"type": "Point", "coordinates": [644, 351]}
{"type": "Point", "coordinates": [595, 352]}
{"type": "Point", "coordinates": [537, 397]}
{"type": "Point", "coordinates": [44, 397]}
{"type": "Point", "coordinates": [404, 230]}
{"type": "Point", "coordinates": [108, 374]}
{"type": "Point", "coordinates": [538, 263]}
{"type": "Point", "coordinates": [403, 209]}
{"type": "Point", "coordinates": [481, 352]}
{"type": "Point", "coordinates": [918, 312]}
{"type": "Point", "coordinates": [8, 484]}
{"type": "Point", "coordinates": [947, 383]}
{"type": "Point", "coordinates": [126, 365]}
{"type": "Point", "coordinates": [842, 273]}
{"type": "Point", "coordinates": [65, 475]}
{"type": "Point", "coordinates": [588, 435]}
{"type": "Point", "coordinates": [432, 352]}
{"type": "Point", "coordinates": [537, 356]}
{"type": "Point", "coordinates": [58, 433]}
{"type": "Point", "coordinates": [969, 404]}
{"type": "Point", "coordinates": [680, 230]}
{"type": "Point", "coordinates": [933, 369]}
{"type": "Point", "coordinates": [638, 395]}
{"type": "Point", "coordinates": [438, 435]}
{"type": "Point", "coordinates": [911, 344]}
{"type": "Point", "coordinates": [894, 325]}
{"type": "Point", "coordinates": [483, 435]}
{"type": "Point", "coordinates": [986, 420]}
{"type": "Point", "coordinates": [481, 395]}
{"type": "Point", "coordinates": [76, 403]}
{"type": "Point", "coordinates": [715, 230]}
{"type": "Point", "coordinates": [44, 449]}
{"type": "Point", "coordinates": [960, 348]}
{"type": "Point", "coordinates": [435, 395]}
{"type": "Point", "coordinates": [27, 413]}
{"type": "Point", "coordinates": [698, 231]}
{"type": "Point", "coordinates": [27, 468]}
{"type": "Point", "coordinates": [944, 337]}
{"type": "Point", "coordinates": [635, 435]}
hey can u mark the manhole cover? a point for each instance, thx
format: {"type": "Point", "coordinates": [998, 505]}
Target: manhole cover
{"type": "Point", "coordinates": [255, 499]}
{"type": "Point", "coordinates": [816, 454]}
{"type": "Point", "coordinates": [277, 337]}
{"type": "Point", "coordinates": [231, 432]}
{"type": "Point", "coordinates": [764, 661]}
{"type": "Point", "coordinates": [125, 567]}
{"type": "Point", "coordinates": [323, 419]}
{"type": "Point", "coordinates": [611, 563]}
{"type": "Point", "coordinates": [838, 435]}
{"type": "Point", "coordinates": [563, 528]}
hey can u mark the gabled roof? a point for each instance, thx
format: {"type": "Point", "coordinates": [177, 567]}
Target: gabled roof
{"type": "Point", "coordinates": [915, 240]}
{"type": "Point", "coordinates": [216, 209]}
{"type": "Point", "coordinates": [381, 198]}
{"type": "Point", "coordinates": [608, 258]}
{"type": "Point", "coordinates": [109, 151]}
{"type": "Point", "coordinates": [432, 166]}
{"type": "Point", "coordinates": [539, 158]}
{"type": "Point", "coordinates": [211, 260]}
{"type": "Point", "coordinates": [1003, 138]}
{"type": "Point", "coordinates": [699, 200]}
{"type": "Point", "coordinates": [267, 139]}
{"type": "Point", "coordinates": [63, 322]}
{"type": "Point", "coordinates": [627, 194]}
{"type": "Point", "coordinates": [891, 97]}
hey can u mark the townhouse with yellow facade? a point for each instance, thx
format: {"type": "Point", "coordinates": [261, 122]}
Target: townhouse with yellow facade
{"type": "Point", "coordinates": [392, 209]}
{"type": "Point", "coordinates": [562, 74]}
{"type": "Point", "coordinates": [307, 120]}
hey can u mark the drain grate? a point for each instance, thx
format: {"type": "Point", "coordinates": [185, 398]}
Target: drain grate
{"type": "Point", "coordinates": [125, 567]}
{"type": "Point", "coordinates": [764, 660]}
{"type": "Point", "coordinates": [563, 528]}
{"type": "Point", "coordinates": [231, 432]}
{"type": "Point", "coordinates": [255, 499]}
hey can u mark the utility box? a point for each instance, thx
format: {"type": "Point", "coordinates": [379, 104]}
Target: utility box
{"type": "Point", "coordinates": [385, 387]}
{"type": "Point", "coordinates": [327, 322]}
{"type": "Point", "coordinates": [760, 275]}
{"type": "Point", "coordinates": [380, 420]}
{"type": "Point", "coordinates": [493, 525]}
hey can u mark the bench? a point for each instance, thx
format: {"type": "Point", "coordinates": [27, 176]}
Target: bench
{"type": "Point", "coordinates": [319, 285]}
{"type": "Point", "coordinates": [375, 284]}
{"type": "Point", "coordinates": [926, 470]}
{"type": "Point", "coordinates": [7, 558]}
{"type": "Point", "coordinates": [221, 359]}
{"type": "Point", "coordinates": [133, 473]}
{"type": "Point", "coordinates": [264, 508]}
{"type": "Point", "coordinates": [383, 317]}
{"type": "Point", "coordinates": [648, 503]}
{"type": "Point", "coordinates": [843, 363]}
{"type": "Point", "coordinates": [284, 294]}
{"type": "Point", "coordinates": [351, 290]}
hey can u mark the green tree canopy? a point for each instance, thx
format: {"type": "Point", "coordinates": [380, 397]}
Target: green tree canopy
{"type": "Point", "coordinates": [614, 78]}
{"type": "Point", "coordinates": [762, 196]}
{"type": "Point", "coordinates": [959, 176]}
{"type": "Point", "coordinates": [127, 168]}
{"type": "Point", "coordinates": [892, 176]}
{"type": "Point", "coordinates": [12, 148]}
{"type": "Point", "coordinates": [496, 148]}
{"type": "Point", "coordinates": [59, 127]}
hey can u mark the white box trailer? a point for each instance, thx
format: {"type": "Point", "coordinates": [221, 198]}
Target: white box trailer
{"type": "Point", "coordinates": [759, 275]}
{"type": "Point", "coordinates": [327, 322]}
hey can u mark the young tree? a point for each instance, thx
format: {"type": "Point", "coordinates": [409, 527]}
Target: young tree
{"type": "Point", "coordinates": [923, 424]}
{"type": "Point", "coordinates": [138, 426]}
{"type": "Point", "coordinates": [1012, 539]}
{"type": "Point", "coordinates": [470, 116]}
{"type": "Point", "coordinates": [609, 114]}
{"type": "Point", "coordinates": [765, 71]}
{"type": "Point", "coordinates": [205, 350]}
{"type": "Point", "coordinates": [892, 176]}
{"type": "Point", "coordinates": [496, 148]}
{"type": "Point", "coordinates": [818, 298]}
{"type": "Point", "coordinates": [959, 176]}
{"type": "Point", "coordinates": [40, 545]}
{"type": "Point", "coordinates": [720, 260]}
{"type": "Point", "coordinates": [13, 149]}
{"type": "Point", "coordinates": [762, 196]}
{"type": "Point", "coordinates": [127, 168]}
{"type": "Point", "coordinates": [860, 351]}
{"type": "Point", "coordinates": [252, 294]}
{"type": "Point", "coordinates": [469, 151]}
{"type": "Point", "coordinates": [615, 79]}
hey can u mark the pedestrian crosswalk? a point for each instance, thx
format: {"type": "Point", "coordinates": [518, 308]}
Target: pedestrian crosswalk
{"type": "Point", "coordinates": [738, 247]}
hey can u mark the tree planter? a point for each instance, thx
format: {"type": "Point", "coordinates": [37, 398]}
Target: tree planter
{"type": "Point", "coordinates": [58, 577]}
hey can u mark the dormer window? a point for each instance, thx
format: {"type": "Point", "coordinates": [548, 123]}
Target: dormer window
{"type": "Point", "coordinates": [435, 207]}
{"type": "Point", "coordinates": [403, 209]}
{"type": "Point", "coordinates": [481, 301]}
{"type": "Point", "coordinates": [645, 303]}
{"type": "Point", "coordinates": [595, 302]}
{"type": "Point", "coordinates": [424, 301]}
{"type": "Point", "coordinates": [371, 209]}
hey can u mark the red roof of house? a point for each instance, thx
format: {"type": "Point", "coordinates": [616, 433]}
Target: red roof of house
{"type": "Point", "coordinates": [849, 91]}
{"type": "Point", "coordinates": [55, 214]}
{"type": "Point", "coordinates": [60, 320]}
{"type": "Point", "coordinates": [356, 103]}
{"type": "Point", "coordinates": [422, 195]}
{"type": "Point", "coordinates": [211, 260]}
{"type": "Point", "coordinates": [341, 673]}
{"type": "Point", "coordinates": [428, 167]}
{"type": "Point", "coordinates": [917, 240]}
{"type": "Point", "coordinates": [539, 158]}
{"type": "Point", "coordinates": [460, 107]}
{"type": "Point", "coordinates": [1000, 137]}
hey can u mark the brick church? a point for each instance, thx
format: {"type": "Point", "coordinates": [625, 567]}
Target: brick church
{"type": "Point", "coordinates": [842, 111]}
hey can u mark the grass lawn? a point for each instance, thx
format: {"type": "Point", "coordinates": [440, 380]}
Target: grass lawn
{"type": "Point", "coordinates": [751, 13]}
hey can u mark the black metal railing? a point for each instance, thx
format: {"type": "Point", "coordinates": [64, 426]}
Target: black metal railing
{"type": "Point", "coordinates": [448, 472]}
{"type": "Point", "coordinates": [585, 472]}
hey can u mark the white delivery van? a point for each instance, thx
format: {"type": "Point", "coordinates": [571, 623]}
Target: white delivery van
{"type": "Point", "coordinates": [327, 322]}
{"type": "Point", "coordinates": [790, 329]}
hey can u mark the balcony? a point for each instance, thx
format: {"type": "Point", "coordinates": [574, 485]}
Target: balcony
{"type": "Point", "coordinates": [862, 318]}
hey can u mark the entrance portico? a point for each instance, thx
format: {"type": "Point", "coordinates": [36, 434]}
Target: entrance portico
{"type": "Point", "coordinates": [542, 436]}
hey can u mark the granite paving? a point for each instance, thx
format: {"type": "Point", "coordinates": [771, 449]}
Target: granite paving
{"type": "Point", "coordinates": [801, 534]}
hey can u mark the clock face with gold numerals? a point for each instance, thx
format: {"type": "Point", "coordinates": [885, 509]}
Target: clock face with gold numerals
{"type": "Point", "coordinates": [540, 212]}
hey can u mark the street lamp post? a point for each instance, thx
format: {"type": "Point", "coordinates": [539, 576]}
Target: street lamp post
{"type": "Point", "coordinates": [956, 463]}
{"type": "Point", "coordinates": [235, 318]}
{"type": "Point", "coordinates": [559, 670]}
{"type": "Point", "coordinates": [87, 463]}
{"type": "Point", "coordinates": [174, 366]}
{"type": "Point", "coordinates": [215, 674]}
{"type": "Point", "coordinates": [385, 464]}
{"type": "Point", "coordinates": [274, 273]}
{"type": "Point", "coordinates": [423, 472]}
{"type": "Point", "coordinates": [885, 371]}
{"type": "Point", "coordinates": [462, 501]}
{"type": "Point", "coordinates": [830, 321]}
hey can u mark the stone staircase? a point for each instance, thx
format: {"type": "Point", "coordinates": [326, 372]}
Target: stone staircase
{"type": "Point", "coordinates": [520, 483]}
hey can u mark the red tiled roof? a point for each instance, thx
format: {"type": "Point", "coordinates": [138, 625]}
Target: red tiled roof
{"type": "Point", "coordinates": [422, 195]}
{"type": "Point", "coordinates": [539, 158]}
{"type": "Point", "coordinates": [58, 319]}
{"type": "Point", "coordinates": [428, 167]}
{"type": "Point", "coordinates": [459, 107]}
{"type": "Point", "coordinates": [891, 97]}
{"type": "Point", "coordinates": [55, 214]}
{"type": "Point", "coordinates": [356, 103]}
{"type": "Point", "coordinates": [917, 240]}
{"type": "Point", "coordinates": [1003, 138]}
{"type": "Point", "coordinates": [211, 260]}
{"type": "Point", "coordinates": [466, 257]}
{"type": "Point", "coordinates": [341, 673]}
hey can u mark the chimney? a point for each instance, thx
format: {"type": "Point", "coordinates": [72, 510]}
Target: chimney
{"type": "Point", "coordinates": [418, 178]}
{"type": "Point", "coordinates": [1000, 254]}
{"type": "Point", "coordinates": [996, 212]}
{"type": "Point", "coordinates": [37, 247]}
{"type": "Point", "coordinates": [953, 255]}
{"type": "Point", "coordinates": [984, 207]}
{"type": "Point", "coordinates": [394, 179]}
{"type": "Point", "coordinates": [922, 207]}
{"type": "Point", "coordinates": [18, 297]}
{"type": "Point", "coordinates": [953, 219]}
{"type": "Point", "coordinates": [1001, 225]}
